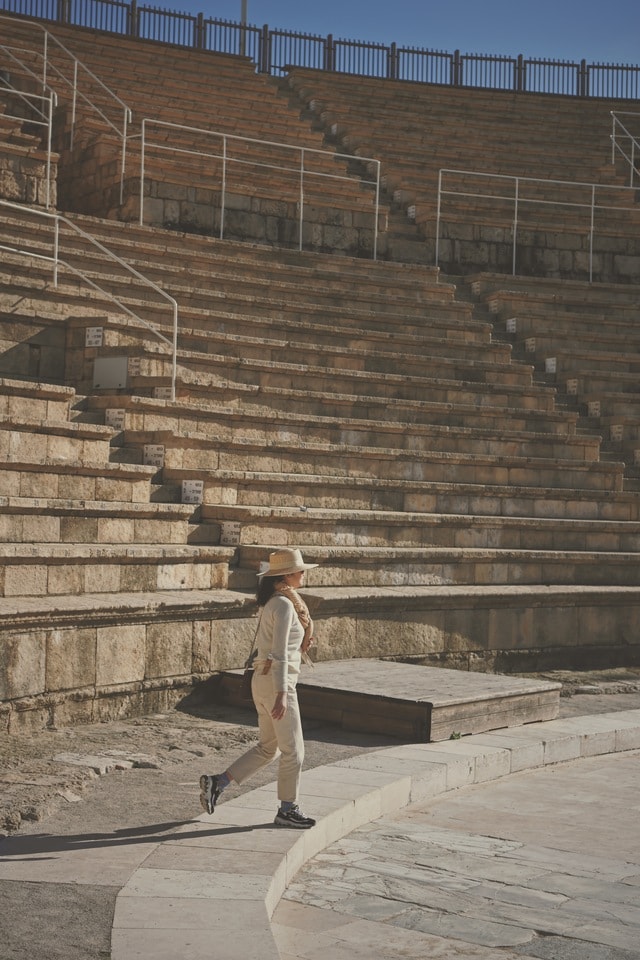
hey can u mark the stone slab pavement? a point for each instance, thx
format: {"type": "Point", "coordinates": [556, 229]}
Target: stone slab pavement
{"type": "Point", "coordinates": [112, 857]}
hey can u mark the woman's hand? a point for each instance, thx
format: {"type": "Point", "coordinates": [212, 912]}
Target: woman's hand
{"type": "Point", "coordinates": [280, 706]}
{"type": "Point", "coordinates": [306, 643]}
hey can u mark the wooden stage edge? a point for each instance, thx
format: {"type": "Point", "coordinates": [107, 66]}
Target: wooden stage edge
{"type": "Point", "coordinates": [412, 702]}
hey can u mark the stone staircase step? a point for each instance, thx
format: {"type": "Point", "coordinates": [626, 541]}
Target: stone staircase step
{"type": "Point", "coordinates": [315, 526]}
{"type": "Point", "coordinates": [45, 520]}
{"type": "Point", "coordinates": [288, 454]}
{"type": "Point", "coordinates": [77, 480]}
{"type": "Point", "coordinates": [33, 570]}
{"type": "Point", "coordinates": [373, 566]}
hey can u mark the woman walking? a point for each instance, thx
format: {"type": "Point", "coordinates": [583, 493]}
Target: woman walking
{"type": "Point", "coordinates": [285, 633]}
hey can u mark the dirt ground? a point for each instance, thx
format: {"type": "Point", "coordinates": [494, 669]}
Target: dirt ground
{"type": "Point", "coordinates": [44, 774]}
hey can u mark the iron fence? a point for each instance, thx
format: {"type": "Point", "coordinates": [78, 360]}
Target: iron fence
{"type": "Point", "coordinates": [273, 51]}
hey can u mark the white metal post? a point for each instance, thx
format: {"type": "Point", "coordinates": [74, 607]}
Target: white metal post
{"type": "Point", "coordinates": [142, 135]}
{"type": "Point", "coordinates": [56, 249]}
{"type": "Point", "coordinates": [223, 190]}
{"type": "Point", "coordinates": [593, 211]}
{"type": "Point", "coordinates": [515, 227]}
{"type": "Point", "coordinates": [301, 197]}
{"type": "Point", "coordinates": [377, 212]}
{"type": "Point", "coordinates": [438, 218]}
{"type": "Point", "coordinates": [49, 136]}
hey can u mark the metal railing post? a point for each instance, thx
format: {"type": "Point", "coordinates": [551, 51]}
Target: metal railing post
{"type": "Point", "coordinates": [583, 79]}
{"type": "Point", "coordinates": [329, 54]}
{"type": "Point", "coordinates": [377, 212]}
{"type": "Point", "coordinates": [143, 130]}
{"type": "Point", "coordinates": [456, 69]}
{"type": "Point", "coordinates": [392, 62]}
{"type": "Point", "coordinates": [591, 229]}
{"type": "Point", "coordinates": [49, 145]}
{"type": "Point", "coordinates": [264, 58]}
{"type": "Point", "coordinates": [74, 102]}
{"type": "Point", "coordinates": [520, 74]}
{"type": "Point", "coordinates": [515, 225]}
{"type": "Point", "coordinates": [301, 200]}
{"type": "Point", "coordinates": [223, 189]}
{"type": "Point", "coordinates": [56, 249]}
{"type": "Point", "coordinates": [613, 138]}
{"type": "Point", "coordinates": [437, 261]}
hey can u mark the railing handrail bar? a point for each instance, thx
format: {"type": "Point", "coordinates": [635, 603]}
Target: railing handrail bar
{"type": "Point", "coordinates": [65, 80]}
{"type": "Point", "coordinates": [59, 218]}
{"type": "Point", "coordinates": [50, 36]}
{"type": "Point", "coordinates": [23, 95]}
{"type": "Point", "coordinates": [521, 199]}
{"type": "Point", "coordinates": [270, 143]}
{"type": "Point", "coordinates": [505, 176]}
{"type": "Point", "coordinates": [255, 163]}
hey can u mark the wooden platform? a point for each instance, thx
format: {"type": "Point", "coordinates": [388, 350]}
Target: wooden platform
{"type": "Point", "coordinates": [415, 703]}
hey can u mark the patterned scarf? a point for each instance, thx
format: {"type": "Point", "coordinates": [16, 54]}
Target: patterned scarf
{"type": "Point", "coordinates": [302, 610]}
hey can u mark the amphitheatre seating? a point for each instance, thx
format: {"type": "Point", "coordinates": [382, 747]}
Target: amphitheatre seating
{"type": "Point", "coordinates": [460, 510]}
{"type": "Point", "coordinates": [262, 181]}
{"type": "Point", "coordinates": [418, 129]}
{"type": "Point", "coordinates": [583, 338]}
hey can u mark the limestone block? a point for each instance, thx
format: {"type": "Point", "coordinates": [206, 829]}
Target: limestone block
{"type": "Point", "coordinates": [139, 577]}
{"type": "Point", "coordinates": [27, 447]}
{"type": "Point", "coordinates": [105, 578]}
{"type": "Point", "coordinates": [231, 642]}
{"type": "Point", "coordinates": [22, 664]}
{"type": "Point", "coordinates": [201, 651]}
{"type": "Point", "coordinates": [75, 529]}
{"type": "Point", "coordinates": [120, 656]}
{"type": "Point", "coordinates": [78, 488]}
{"type": "Point", "coordinates": [71, 659]}
{"type": "Point", "coordinates": [419, 632]}
{"type": "Point", "coordinates": [62, 448]}
{"type": "Point", "coordinates": [29, 580]}
{"type": "Point", "coordinates": [466, 630]}
{"type": "Point", "coordinates": [115, 530]}
{"type": "Point", "coordinates": [40, 529]}
{"type": "Point", "coordinates": [10, 528]}
{"type": "Point", "coordinates": [39, 485]}
{"type": "Point", "coordinates": [168, 649]}
{"type": "Point", "coordinates": [65, 579]}
{"type": "Point", "coordinates": [336, 638]}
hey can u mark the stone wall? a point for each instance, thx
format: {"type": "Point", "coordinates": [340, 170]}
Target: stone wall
{"type": "Point", "coordinates": [97, 668]}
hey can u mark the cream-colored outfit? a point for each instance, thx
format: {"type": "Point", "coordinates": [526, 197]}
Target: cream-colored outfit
{"type": "Point", "coordinates": [277, 667]}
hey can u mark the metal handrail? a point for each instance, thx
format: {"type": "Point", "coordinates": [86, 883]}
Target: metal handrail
{"type": "Point", "coordinates": [47, 122]}
{"type": "Point", "coordinates": [226, 159]}
{"type": "Point", "coordinates": [517, 199]}
{"type": "Point", "coordinates": [57, 260]}
{"type": "Point", "coordinates": [49, 67]}
{"type": "Point", "coordinates": [634, 143]}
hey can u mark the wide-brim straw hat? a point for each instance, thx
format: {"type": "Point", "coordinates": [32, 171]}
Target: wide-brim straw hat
{"type": "Point", "coordinates": [282, 562]}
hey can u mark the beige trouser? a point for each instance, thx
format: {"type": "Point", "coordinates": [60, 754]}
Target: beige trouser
{"type": "Point", "coordinates": [283, 735]}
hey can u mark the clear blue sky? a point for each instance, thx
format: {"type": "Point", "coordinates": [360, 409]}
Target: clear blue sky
{"type": "Point", "coordinates": [599, 31]}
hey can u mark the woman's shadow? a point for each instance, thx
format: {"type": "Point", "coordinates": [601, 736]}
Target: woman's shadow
{"type": "Point", "coordinates": [37, 845]}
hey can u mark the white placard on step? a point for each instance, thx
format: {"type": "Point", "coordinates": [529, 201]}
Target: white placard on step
{"type": "Point", "coordinates": [230, 533]}
{"type": "Point", "coordinates": [115, 418]}
{"type": "Point", "coordinates": [93, 336]}
{"type": "Point", "coordinates": [192, 491]}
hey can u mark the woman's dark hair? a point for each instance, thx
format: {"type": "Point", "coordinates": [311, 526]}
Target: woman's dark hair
{"type": "Point", "coordinates": [266, 589]}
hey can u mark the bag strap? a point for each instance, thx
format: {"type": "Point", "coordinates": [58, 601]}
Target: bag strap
{"type": "Point", "coordinates": [252, 651]}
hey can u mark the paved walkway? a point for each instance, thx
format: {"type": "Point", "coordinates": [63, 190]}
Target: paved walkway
{"type": "Point", "coordinates": [207, 888]}
{"type": "Point", "coordinates": [539, 864]}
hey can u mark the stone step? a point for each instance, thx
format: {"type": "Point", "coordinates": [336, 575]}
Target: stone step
{"type": "Point", "coordinates": [47, 520]}
{"type": "Point", "coordinates": [76, 480]}
{"type": "Point", "coordinates": [366, 566]}
{"type": "Point", "coordinates": [301, 491]}
{"type": "Point", "coordinates": [192, 451]}
{"type": "Point", "coordinates": [324, 527]}
{"type": "Point", "coordinates": [47, 441]}
{"type": "Point", "coordinates": [267, 426]}
{"type": "Point", "coordinates": [80, 571]}
{"type": "Point", "coordinates": [37, 401]}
